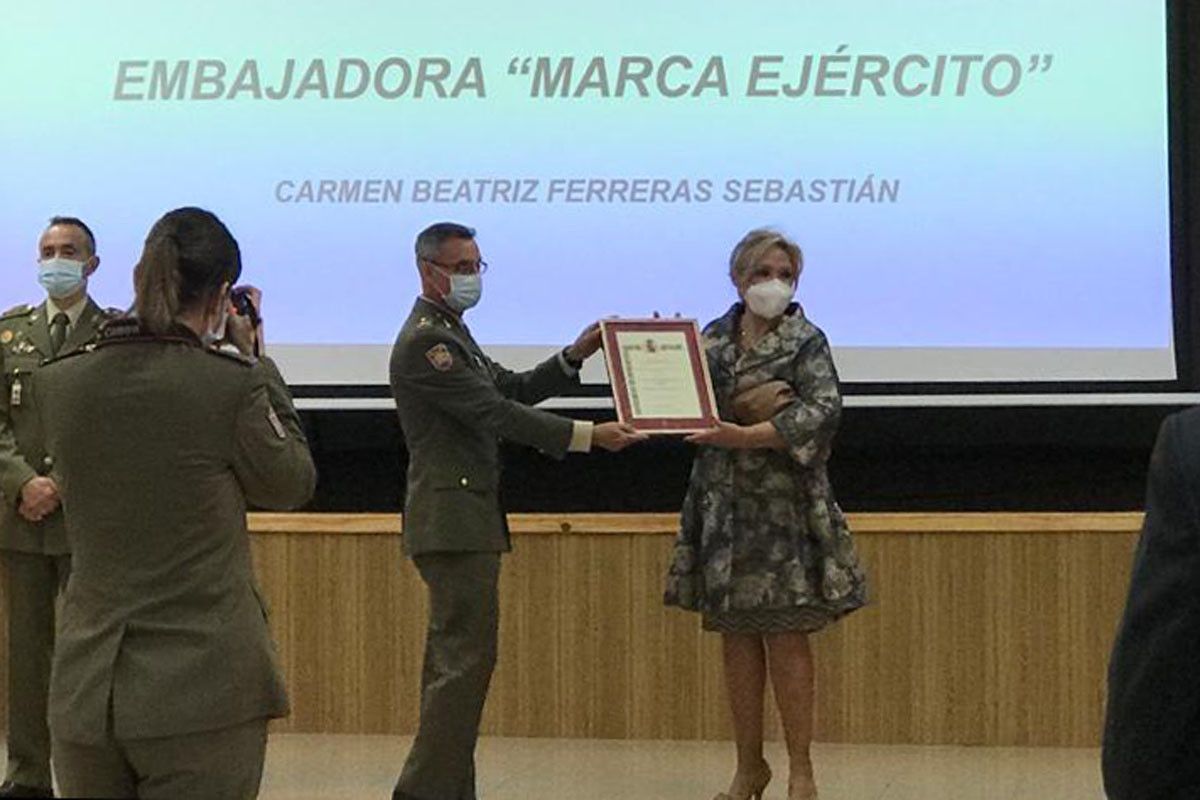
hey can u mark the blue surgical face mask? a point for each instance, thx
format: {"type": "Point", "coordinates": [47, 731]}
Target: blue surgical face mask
{"type": "Point", "coordinates": [465, 290]}
{"type": "Point", "coordinates": [60, 277]}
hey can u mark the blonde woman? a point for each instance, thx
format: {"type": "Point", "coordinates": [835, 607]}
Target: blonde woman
{"type": "Point", "coordinates": [763, 551]}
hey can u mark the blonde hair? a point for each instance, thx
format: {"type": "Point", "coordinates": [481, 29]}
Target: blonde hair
{"type": "Point", "coordinates": [755, 244]}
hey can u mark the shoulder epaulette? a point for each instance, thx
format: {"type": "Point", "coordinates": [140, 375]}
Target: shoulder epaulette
{"type": "Point", "coordinates": [18, 311]}
{"type": "Point", "coordinates": [434, 315]}
{"type": "Point", "coordinates": [78, 351]}
{"type": "Point", "coordinates": [120, 327]}
{"type": "Point", "coordinates": [127, 330]}
{"type": "Point", "coordinates": [232, 355]}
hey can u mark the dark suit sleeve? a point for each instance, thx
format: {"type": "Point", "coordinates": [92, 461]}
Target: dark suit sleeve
{"type": "Point", "coordinates": [438, 369]}
{"type": "Point", "coordinates": [1152, 721]}
{"type": "Point", "coordinates": [547, 379]}
{"type": "Point", "coordinates": [1169, 499]}
{"type": "Point", "coordinates": [271, 457]}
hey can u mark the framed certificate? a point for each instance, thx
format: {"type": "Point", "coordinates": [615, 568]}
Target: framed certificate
{"type": "Point", "coordinates": [659, 374]}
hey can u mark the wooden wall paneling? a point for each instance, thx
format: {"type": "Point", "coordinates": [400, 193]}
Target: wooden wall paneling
{"type": "Point", "coordinates": [391, 627]}
{"type": "Point", "coordinates": [956, 704]}
{"type": "Point", "coordinates": [866, 662]}
{"type": "Point", "coordinates": [1101, 584]}
{"type": "Point", "coordinates": [270, 557]}
{"type": "Point", "coordinates": [524, 696]}
{"type": "Point", "coordinates": [578, 646]}
{"type": "Point", "coordinates": [983, 629]}
{"type": "Point", "coordinates": [298, 634]}
{"type": "Point", "coordinates": [854, 645]}
{"type": "Point", "coordinates": [613, 692]}
{"type": "Point", "coordinates": [664, 676]}
{"type": "Point", "coordinates": [1027, 638]}
{"type": "Point", "coordinates": [341, 627]}
{"type": "Point", "coordinates": [540, 650]}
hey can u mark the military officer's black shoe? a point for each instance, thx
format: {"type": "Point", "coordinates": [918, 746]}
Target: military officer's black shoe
{"type": "Point", "coordinates": [10, 789]}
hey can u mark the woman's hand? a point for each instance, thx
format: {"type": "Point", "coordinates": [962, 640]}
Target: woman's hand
{"type": "Point", "coordinates": [240, 332]}
{"type": "Point", "coordinates": [740, 437]}
{"type": "Point", "coordinates": [724, 434]}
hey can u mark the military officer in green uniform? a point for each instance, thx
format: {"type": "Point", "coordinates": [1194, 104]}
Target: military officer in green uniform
{"type": "Point", "coordinates": [455, 403]}
{"type": "Point", "coordinates": [33, 544]}
{"type": "Point", "coordinates": [165, 673]}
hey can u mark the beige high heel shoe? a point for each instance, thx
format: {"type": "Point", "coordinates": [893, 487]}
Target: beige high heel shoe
{"type": "Point", "coordinates": [757, 786]}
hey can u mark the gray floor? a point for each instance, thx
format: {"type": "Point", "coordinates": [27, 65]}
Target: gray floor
{"type": "Point", "coordinates": [323, 767]}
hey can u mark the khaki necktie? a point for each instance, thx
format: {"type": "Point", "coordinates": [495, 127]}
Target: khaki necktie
{"type": "Point", "coordinates": [58, 332]}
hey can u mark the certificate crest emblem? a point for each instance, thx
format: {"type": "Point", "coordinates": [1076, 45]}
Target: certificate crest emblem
{"type": "Point", "coordinates": [439, 356]}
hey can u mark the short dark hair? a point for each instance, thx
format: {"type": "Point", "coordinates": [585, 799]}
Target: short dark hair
{"type": "Point", "coordinates": [430, 240]}
{"type": "Point", "coordinates": [75, 222]}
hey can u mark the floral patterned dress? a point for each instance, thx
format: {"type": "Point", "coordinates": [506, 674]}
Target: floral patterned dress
{"type": "Point", "coordinates": [763, 546]}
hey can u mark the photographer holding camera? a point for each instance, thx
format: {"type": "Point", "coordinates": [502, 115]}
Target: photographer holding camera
{"type": "Point", "coordinates": [165, 673]}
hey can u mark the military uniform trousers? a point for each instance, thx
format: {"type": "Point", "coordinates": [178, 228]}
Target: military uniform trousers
{"type": "Point", "coordinates": [460, 654]}
{"type": "Point", "coordinates": [33, 582]}
{"type": "Point", "coordinates": [224, 764]}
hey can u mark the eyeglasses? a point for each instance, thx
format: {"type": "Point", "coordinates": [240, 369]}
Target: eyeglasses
{"type": "Point", "coordinates": [465, 267]}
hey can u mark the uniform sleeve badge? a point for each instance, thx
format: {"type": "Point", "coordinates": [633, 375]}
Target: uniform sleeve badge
{"type": "Point", "coordinates": [6, 337]}
{"type": "Point", "coordinates": [276, 424]}
{"type": "Point", "coordinates": [439, 356]}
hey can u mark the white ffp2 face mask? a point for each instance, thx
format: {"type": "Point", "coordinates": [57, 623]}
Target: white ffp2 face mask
{"type": "Point", "coordinates": [769, 299]}
{"type": "Point", "coordinates": [215, 335]}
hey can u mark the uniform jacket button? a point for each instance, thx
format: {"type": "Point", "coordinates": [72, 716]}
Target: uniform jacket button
{"type": "Point", "coordinates": [463, 481]}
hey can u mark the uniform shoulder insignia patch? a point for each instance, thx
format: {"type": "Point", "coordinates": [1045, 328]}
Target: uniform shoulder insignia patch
{"type": "Point", "coordinates": [276, 423]}
{"type": "Point", "coordinates": [439, 356]}
{"type": "Point", "coordinates": [232, 354]}
{"type": "Point", "coordinates": [17, 310]}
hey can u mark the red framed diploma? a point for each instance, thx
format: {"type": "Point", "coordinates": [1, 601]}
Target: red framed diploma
{"type": "Point", "coordinates": [659, 374]}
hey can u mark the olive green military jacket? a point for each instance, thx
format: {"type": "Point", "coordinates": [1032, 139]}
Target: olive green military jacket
{"type": "Point", "coordinates": [161, 444]}
{"type": "Point", "coordinates": [24, 346]}
{"type": "Point", "coordinates": [455, 404]}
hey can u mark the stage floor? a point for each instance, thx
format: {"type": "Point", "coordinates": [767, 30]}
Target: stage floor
{"type": "Point", "coordinates": [325, 767]}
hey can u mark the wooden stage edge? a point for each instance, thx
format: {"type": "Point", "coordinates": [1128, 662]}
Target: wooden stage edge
{"type": "Point", "coordinates": [1122, 522]}
{"type": "Point", "coordinates": [358, 524]}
